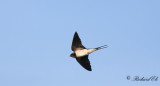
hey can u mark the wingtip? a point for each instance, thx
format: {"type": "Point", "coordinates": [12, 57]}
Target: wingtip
{"type": "Point", "coordinates": [89, 69]}
{"type": "Point", "coordinates": [76, 33]}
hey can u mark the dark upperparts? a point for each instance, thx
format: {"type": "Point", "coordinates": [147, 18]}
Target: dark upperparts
{"type": "Point", "coordinates": [76, 43]}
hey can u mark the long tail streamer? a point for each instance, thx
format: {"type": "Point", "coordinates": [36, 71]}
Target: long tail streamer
{"type": "Point", "coordinates": [101, 47]}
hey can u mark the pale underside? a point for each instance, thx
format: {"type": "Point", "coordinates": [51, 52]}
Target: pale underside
{"type": "Point", "coordinates": [83, 52]}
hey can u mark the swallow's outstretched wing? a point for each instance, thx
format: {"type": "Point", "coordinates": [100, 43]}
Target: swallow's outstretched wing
{"type": "Point", "coordinates": [84, 62]}
{"type": "Point", "coordinates": [76, 43]}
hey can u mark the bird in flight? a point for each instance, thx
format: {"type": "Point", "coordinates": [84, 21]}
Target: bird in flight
{"type": "Point", "coordinates": [81, 53]}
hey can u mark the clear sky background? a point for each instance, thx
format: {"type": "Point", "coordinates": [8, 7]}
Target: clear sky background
{"type": "Point", "coordinates": [36, 37]}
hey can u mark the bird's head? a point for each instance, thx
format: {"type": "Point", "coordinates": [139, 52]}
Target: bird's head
{"type": "Point", "coordinates": [73, 55]}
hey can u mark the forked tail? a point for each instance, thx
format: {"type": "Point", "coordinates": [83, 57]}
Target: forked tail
{"type": "Point", "coordinates": [101, 47]}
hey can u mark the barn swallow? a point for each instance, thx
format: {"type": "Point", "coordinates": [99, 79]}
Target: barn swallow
{"type": "Point", "coordinates": [81, 53]}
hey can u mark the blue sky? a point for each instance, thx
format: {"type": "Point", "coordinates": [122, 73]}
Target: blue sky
{"type": "Point", "coordinates": [36, 37]}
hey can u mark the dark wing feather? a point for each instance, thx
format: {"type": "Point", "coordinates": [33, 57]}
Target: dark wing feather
{"type": "Point", "coordinates": [76, 43]}
{"type": "Point", "coordinates": [84, 62]}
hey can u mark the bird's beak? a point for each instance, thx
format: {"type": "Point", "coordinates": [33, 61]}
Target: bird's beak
{"type": "Point", "coordinates": [72, 56]}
